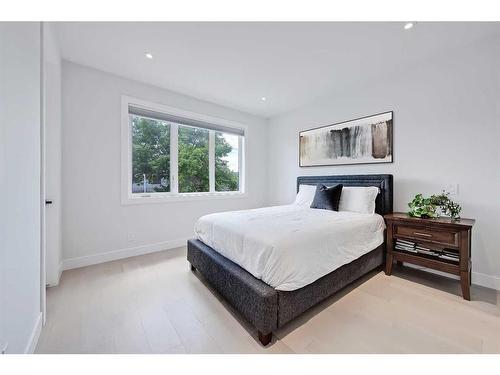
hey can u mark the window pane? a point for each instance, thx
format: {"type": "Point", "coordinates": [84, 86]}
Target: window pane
{"type": "Point", "coordinates": [226, 162]}
{"type": "Point", "coordinates": [193, 160]}
{"type": "Point", "coordinates": [150, 155]}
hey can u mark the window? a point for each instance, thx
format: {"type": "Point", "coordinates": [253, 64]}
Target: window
{"type": "Point", "coordinates": [150, 155]}
{"type": "Point", "coordinates": [193, 161]}
{"type": "Point", "coordinates": [171, 154]}
{"type": "Point", "coordinates": [226, 162]}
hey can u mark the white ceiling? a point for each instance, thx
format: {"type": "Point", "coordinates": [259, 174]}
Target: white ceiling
{"type": "Point", "coordinates": [235, 64]}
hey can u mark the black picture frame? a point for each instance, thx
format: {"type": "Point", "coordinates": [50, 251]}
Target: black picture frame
{"type": "Point", "coordinates": [391, 135]}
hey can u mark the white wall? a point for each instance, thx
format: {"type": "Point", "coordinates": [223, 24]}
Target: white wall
{"type": "Point", "coordinates": [52, 87]}
{"type": "Point", "coordinates": [94, 220]}
{"type": "Point", "coordinates": [20, 316]}
{"type": "Point", "coordinates": [446, 130]}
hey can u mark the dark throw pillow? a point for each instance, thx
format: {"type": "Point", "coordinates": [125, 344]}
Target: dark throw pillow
{"type": "Point", "coordinates": [327, 198]}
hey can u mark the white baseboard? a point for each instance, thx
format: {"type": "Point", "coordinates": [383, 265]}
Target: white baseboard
{"type": "Point", "coordinates": [481, 279]}
{"type": "Point", "coordinates": [35, 335]}
{"type": "Point", "coordinates": [50, 283]}
{"type": "Point", "coordinates": [487, 281]}
{"type": "Point", "coordinates": [61, 265]}
{"type": "Point", "coordinates": [89, 260]}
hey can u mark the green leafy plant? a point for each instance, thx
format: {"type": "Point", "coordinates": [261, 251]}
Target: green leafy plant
{"type": "Point", "coordinates": [427, 207]}
{"type": "Point", "coordinates": [422, 207]}
{"type": "Point", "coordinates": [448, 207]}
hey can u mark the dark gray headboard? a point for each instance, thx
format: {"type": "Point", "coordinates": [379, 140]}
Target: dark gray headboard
{"type": "Point", "coordinates": [383, 204]}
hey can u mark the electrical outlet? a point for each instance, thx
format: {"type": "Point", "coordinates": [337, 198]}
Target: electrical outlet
{"type": "Point", "coordinates": [452, 189]}
{"type": "Point", "coordinates": [3, 347]}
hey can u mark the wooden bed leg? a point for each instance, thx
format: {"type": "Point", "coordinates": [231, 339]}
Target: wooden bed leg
{"type": "Point", "coordinates": [265, 339]}
{"type": "Point", "coordinates": [193, 268]}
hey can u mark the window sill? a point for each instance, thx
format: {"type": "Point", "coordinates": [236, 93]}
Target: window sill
{"type": "Point", "coordinates": [183, 197]}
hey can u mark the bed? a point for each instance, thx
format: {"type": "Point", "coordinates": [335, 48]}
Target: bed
{"type": "Point", "coordinates": [260, 286]}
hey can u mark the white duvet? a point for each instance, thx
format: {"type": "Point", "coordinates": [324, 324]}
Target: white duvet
{"type": "Point", "coordinates": [291, 246]}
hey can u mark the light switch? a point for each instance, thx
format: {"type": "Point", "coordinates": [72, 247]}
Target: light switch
{"type": "Point", "coordinates": [452, 189]}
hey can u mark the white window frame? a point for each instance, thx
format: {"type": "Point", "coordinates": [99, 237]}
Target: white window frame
{"type": "Point", "coordinates": [174, 196]}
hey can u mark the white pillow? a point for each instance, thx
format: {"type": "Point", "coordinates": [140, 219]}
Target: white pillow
{"type": "Point", "coordinates": [358, 199]}
{"type": "Point", "coordinates": [305, 196]}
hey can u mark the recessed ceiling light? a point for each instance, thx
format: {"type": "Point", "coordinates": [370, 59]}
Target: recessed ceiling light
{"type": "Point", "coordinates": [149, 56]}
{"type": "Point", "coordinates": [409, 25]}
{"type": "Point", "coordinates": [263, 98]}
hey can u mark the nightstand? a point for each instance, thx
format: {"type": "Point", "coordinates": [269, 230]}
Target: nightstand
{"type": "Point", "coordinates": [441, 244]}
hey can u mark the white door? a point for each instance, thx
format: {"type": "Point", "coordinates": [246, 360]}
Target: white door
{"type": "Point", "coordinates": [51, 159]}
{"type": "Point", "coordinates": [43, 294]}
{"type": "Point", "coordinates": [52, 168]}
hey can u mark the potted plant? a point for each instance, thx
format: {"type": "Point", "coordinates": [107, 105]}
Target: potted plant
{"type": "Point", "coordinates": [426, 207]}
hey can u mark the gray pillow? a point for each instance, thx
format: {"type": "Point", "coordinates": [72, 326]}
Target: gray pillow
{"type": "Point", "coordinates": [327, 198]}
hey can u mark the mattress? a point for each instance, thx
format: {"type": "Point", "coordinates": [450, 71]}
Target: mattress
{"type": "Point", "coordinates": [289, 247]}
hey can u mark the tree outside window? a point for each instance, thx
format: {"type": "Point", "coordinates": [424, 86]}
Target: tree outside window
{"type": "Point", "coordinates": [151, 158]}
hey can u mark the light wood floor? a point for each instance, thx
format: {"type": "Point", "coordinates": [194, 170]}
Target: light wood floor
{"type": "Point", "coordinates": [155, 304]}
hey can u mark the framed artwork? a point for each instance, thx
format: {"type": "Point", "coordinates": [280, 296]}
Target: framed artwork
{"type": "Point", "coordinates": [359, 141]}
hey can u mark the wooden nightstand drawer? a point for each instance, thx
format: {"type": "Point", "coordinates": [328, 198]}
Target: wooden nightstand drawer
{"type": "Point", "coordinates": [443, 237]}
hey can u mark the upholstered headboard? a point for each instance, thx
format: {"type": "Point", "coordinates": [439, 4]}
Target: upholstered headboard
{"type": "Point", "coordinates": [383, 203]}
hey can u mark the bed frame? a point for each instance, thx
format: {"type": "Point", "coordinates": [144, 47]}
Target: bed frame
{"type": "Point", "coordinates": [268, 309]}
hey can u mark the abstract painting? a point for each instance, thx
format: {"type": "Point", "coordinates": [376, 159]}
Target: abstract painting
{"type": "Point", "coordinates": [363, 140]}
